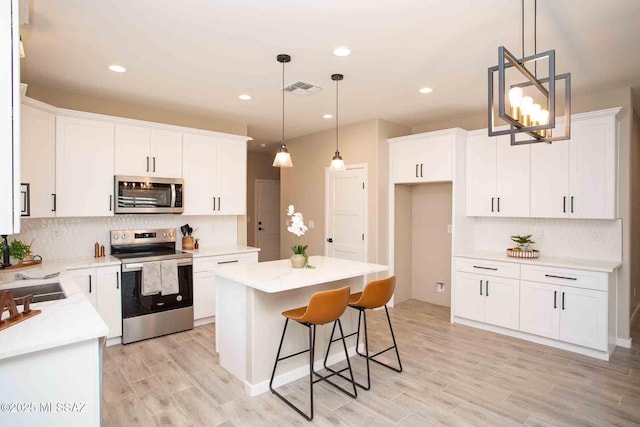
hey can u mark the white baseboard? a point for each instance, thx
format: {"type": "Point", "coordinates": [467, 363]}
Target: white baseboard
{"type": "Point", "coordinates": [114, 341]}
{"type": "Point", "coordinates": [623, 342]}
{"type": "Point", "coordinates": [287, 377]}
{"type": "Point", "coordinates": [204, 321]}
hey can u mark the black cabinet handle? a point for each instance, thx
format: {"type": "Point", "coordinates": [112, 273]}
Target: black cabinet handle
{"type": "Point", "coordinates": [89, 283]}
{"type": "Point", "coordinates": [485, 268]}
{"type": "Point", "coordinates": [214, 203]}
{"type": "Point", "coordinates": [416, 170]}
{"type": "Point", "coordinates": [563, 300]}
{"type": "Point", "coordinates": [154, 164]}
{"type": "Point", "coordinates": [571, 204]}
{"type": "Point", "coordinates": [492, 203]}
{"type": "Point", "coordinates": [555, 299]}
{"type": "Point", "coordinates": [227, 262]}
{"type": "Point", "coordinates": [117, 280]}
{"type": "Point", "coordinates": [421, 175]}
{"type": "Point", "coordinates": [147, 163]}
{"type": "Point", "coordinates": [498, 204]}
{"type": "Point", "coordinates": [486, 285]}
{"type": "Point", "coordinates": [560, 277]}
{"type": "Point", "coordinates": [480, 287]}
{"type": "Point", "coordinates": [54, 202]}
{"type": "Point", "coordinates": [110, 202]}
{"type": "Point", "coordinates": [564, 204]}
{"type": "Point", "coordinates": [219, 204]}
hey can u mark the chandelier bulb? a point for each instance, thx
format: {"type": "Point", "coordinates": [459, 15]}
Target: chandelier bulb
{"type": "Point", "coordinates": [515, 96]}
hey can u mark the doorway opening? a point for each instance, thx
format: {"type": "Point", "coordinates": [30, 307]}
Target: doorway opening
{"type": "Point", "coordinates": [267, 219]}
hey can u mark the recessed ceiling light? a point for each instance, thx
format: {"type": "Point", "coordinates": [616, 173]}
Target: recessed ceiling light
{"type": "Point", "coordinates": [425, 90]}
{"type": "Point", "coordinates": [245, 97]}
{"type": "Point", "coordinates": [342, 51]}
{"type": "Point", "coordinates": [117, 68]}
{"type": "Point", "coordinates": [327, 116]}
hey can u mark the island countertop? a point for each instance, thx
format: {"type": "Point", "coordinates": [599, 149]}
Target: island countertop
{"type": "Point", "coordinates": [279, 276]}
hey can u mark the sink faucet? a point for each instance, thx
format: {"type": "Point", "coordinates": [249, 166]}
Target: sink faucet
{"type": "Point", "coordinates": [5, 254]}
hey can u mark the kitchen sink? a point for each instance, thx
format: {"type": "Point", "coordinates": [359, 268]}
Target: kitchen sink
{"type": "Point", "coordinates": [41, 293]}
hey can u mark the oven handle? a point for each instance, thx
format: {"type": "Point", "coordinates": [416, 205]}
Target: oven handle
{"type": "Point", "coordinates": [137, 266]}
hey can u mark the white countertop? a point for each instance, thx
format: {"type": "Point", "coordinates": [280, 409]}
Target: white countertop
{"type": "Point", "coordinates": [61, 322]}
{"type": "Point", "coordinates": [59, 265]}
{"type": "Point", "coordinates": [278, 276]}
{"type": "Point", "coordinates": [222, 250]}
{"type": "Point", "coordinates": [606, 266]}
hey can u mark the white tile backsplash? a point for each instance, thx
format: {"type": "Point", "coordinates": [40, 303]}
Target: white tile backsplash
{"type": "Point", "coordinates": [73, 237]}
{"type": "Point", "coordinates": [574, 238]}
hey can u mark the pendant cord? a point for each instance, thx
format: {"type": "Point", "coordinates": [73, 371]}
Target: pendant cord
{"type": "Point", "coordinates": [535, 35]}
{"type": "Point", "coordinates": [282, 143]}
{"type": "Point", "coordinates": [337, 140]}
{"type": "Point", "coordinates": [522, 26]}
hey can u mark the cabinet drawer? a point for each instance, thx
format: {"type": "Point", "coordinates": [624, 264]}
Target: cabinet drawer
{"type": "Point", "coordinates": [212, 263]}
{"type": "Point", "coordinates": [565, 277]}
{"type": "Point", "coordinates": [488, 268]}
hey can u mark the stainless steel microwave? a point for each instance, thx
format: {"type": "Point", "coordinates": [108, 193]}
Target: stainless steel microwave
{"type": "Point", "coordinates": [143, 194]}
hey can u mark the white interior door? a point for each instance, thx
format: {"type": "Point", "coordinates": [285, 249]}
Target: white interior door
{"type": "Point", "coordinates": [346, 213]}
{"type": "Point", "coordinates": [267, 219]}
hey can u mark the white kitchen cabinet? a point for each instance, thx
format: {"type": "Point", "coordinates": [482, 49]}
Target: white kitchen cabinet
{"type": "Point", "coordinates": [204, 285]}
{"type": "Point", "coordinates": [470, 303]}
{"type": "Point", "coordinates": [539, 310]}
{"type": "Point", "coordinates": [214, 171]}
{"type": "Point", "coordinates": [577, 178]}
{"type": "Point", "coordinates": [109, 299]}
{"type": "Point", "coordinates": [9, 119]}
{"type": "Point", "coordinates": [147, 151]}
{"type": "Point", "coordinates": [497, 176]}
{"type": "Point", "coordinates": [426, 157]}
{"type": "Point", "coordinates": [38, 159]}
{"type": "Point", "coordinates": [102, 287]}
{"type": "Point", "coordinates": [84, 167]}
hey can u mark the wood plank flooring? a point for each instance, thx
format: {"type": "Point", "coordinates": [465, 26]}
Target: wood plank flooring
{"type": "Point", "coordinates": [453, 376]}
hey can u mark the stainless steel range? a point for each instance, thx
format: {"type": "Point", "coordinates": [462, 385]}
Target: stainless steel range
{"type": "Point", "coordinates": [157, 283]}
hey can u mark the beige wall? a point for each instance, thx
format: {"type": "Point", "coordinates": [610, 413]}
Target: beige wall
{"type": "Point", "coordinates": [304, 184]}
{"type": "Point", "coordinates": [403, 242]}
{"type": "Point", "coordinates": [431, 242]}
{"type": "Point", "coordinates": [635, 219]}
{"type": "Point", "coordinates": [258, 167]}
{"type": "Point", "coordinates": [120, 108]}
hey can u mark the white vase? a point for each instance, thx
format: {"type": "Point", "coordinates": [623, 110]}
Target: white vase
{"type": "Point", "coordinates": [297, 261]}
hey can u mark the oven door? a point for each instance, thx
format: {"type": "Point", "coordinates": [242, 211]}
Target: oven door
{"type": "Point", "coordinates": [136, 194]}
{"type": "Point", "coordinates": [135, 304]}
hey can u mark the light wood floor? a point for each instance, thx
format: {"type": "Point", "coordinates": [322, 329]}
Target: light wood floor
{"type": "Point", "coordinates": [453, 375]}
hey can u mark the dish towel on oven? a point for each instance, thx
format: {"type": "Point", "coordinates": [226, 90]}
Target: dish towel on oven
{"type": "Point", "coordinates": [169, 277]}
{"type": "Point", "coordinates": [151, 278]}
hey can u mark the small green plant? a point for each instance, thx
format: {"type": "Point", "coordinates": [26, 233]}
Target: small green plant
{"type": "Point", "coordinates": [523, 242]}
{"type": "Point", "coordinates": [17, 249]}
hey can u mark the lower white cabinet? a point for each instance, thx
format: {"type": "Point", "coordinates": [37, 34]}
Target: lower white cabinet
{"type": "Point", "coordinates": [102, 287]}
{"type": "Point", "coordinates": [204, 283]}
{"type": "Point", "coordinates": [567, 305]}
{"type": "Point", "coordinates": [488, 299]}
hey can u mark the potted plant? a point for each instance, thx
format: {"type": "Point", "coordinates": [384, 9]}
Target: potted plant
{"type": "Point", "coordinates": [523, 250]}
{"type": "Point", "coordinates": [299, 259]}
{"type": "Point", "coordinates": [18, 250]}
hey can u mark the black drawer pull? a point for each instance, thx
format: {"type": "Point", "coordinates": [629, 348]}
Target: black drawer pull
{"type": "Point", "coordinates": [485, 268]}
{"type": "Point", "coordinates": [227, 262]}
{"type": "Point", "coordinates": [561, 277]}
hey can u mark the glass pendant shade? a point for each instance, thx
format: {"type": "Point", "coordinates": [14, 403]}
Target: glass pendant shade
{"type": "Point", "coordinates": [337, 164]}
{"type": "Point", "coordinates": [283, 158]}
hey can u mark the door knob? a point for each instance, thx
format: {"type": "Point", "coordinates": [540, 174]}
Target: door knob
{"type": "Point", "coordinates": [259, 222]}
{"type": "Point", "coordinates": [260, 228]}
{"type": "Point", "coordinates": [330, 240]}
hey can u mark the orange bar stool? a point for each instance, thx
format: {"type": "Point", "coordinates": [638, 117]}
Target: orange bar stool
{"type": "Point", "coordinates": [324, 307]}
{"type": "Point", "coordinates": [375, 295]}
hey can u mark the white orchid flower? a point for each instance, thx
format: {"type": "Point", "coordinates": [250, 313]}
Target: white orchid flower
{"type": "Point", "coordinates": [290, 210]}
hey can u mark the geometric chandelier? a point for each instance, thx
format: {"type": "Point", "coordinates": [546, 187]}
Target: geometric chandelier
{"type": "Point", "coordinates": [525, 101]}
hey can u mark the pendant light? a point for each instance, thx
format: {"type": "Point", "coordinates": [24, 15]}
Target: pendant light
{"type": "Point", "coordinates": [283, 158]}
{"type": "Point", "coordinates": [532, 99]}
{"type": "Point", "coordinates": [337, 164]}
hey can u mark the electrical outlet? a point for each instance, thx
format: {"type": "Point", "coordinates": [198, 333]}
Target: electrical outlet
{"type": "Point", "coordinates": [312, 224]}
{"type": "Point", "coordinates": [449, 228]}
{"type": "Point", "coordinates": [440, 288]}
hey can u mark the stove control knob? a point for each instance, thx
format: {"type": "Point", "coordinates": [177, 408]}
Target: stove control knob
{"type": "Point", "coordinates": [179, 298]}
{"type": "Point", "coordinates": [115, 237]}
{"type": "Point", "coordinates": [164, 234]}
{"type": "Point", "coordinates": [171, 234]}
{"type": "Point", "coordinates": [124, 237]}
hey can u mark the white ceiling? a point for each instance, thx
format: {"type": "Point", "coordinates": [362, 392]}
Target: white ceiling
{"type": "Point", "coordinates": [199, 55]}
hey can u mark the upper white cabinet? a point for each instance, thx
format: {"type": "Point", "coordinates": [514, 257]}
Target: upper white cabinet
{"type": "Point", "coordinates": [577, 178]}
{"type": "Point", "coordinates": [147, 151]}
{"type": "Point", "coordinates": [497, 176]}
{"type": "Point", "coordinates": [215, 175]}
{"type": "Point", "coordinates": [38, 159]}
{"type": "Point", "coordinates": [9, 119]}
{"type": "Point", "coordinates": [84, 167]}
{"type": "Point", "coordinates": [427, 157]}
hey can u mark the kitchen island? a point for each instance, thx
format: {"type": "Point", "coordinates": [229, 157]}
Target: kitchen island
{"type": "Point", "coordinates": [250, 299]}
{"type": "Point", "coordinates": [51, 364]}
